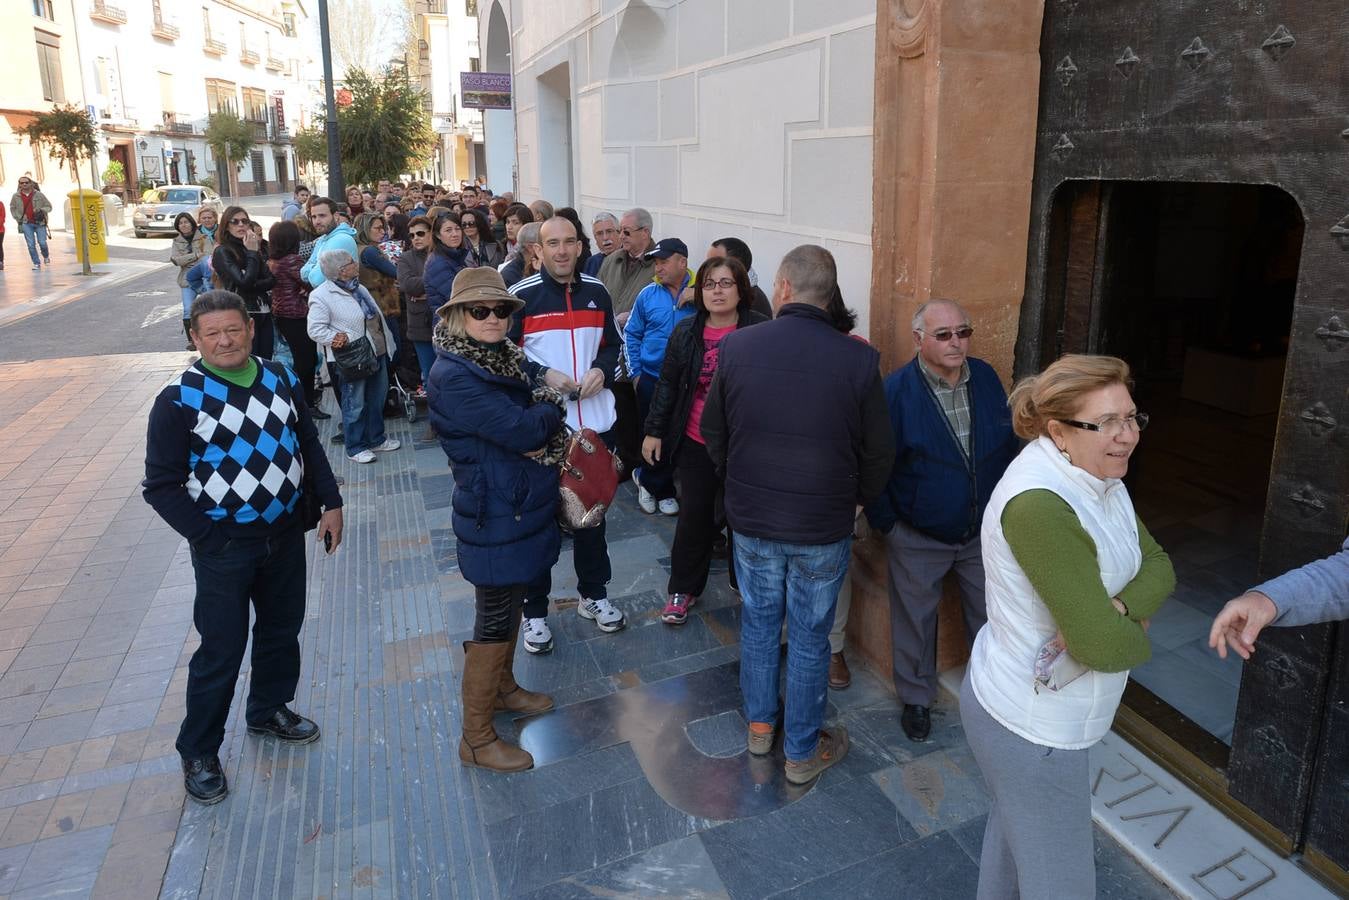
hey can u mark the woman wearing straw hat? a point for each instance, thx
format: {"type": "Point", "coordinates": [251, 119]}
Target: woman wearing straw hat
{"type": "Point", "coordinates": [500, 423]}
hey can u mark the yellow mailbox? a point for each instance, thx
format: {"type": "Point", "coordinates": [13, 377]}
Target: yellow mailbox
{"type": "Point", "coordinates": [89, 218]}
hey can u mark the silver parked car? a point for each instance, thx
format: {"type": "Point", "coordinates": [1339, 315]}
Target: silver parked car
{"type": "Point", "coordinates": [157, 217]}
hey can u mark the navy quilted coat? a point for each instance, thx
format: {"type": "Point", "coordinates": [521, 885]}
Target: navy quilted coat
{"type": "Point", "coordinates": [505, 504]}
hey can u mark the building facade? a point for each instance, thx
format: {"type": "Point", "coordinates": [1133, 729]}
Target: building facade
{"type": "Point", "coordinates": [155, 71]}
{"type": "Point", "coordinates": [39, 67]}
{"type": "Point", "coordinates": [722, 117]}
{"type": "Point", "coordinates": [445, 35]}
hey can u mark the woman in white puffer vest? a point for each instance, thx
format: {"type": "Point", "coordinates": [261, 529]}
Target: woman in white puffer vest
{"type": "Point", "coordinates": [1072, 577]}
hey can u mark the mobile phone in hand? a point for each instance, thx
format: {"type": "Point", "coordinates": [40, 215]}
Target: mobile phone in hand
{"type": "Point", "coordinates": [328, 541]}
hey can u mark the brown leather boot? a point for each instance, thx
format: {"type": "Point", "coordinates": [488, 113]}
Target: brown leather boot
{"type": "Point", "coordinates": [479, 745]}
{"type": "Point", "coordinates": [510, 696]}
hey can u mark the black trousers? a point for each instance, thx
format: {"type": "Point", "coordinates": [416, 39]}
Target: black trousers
{"type": "Point", "coordinates": [699, 511]}
{"type": "Point", "coordinates": [269, 573]}
{"type": "Point", "coordinates": [264, 339]}
{"type": "Point", "coordinates": [497, 612]}
{"type": "Point", "coordinates": [296, 333]}
{"type": "Point", "coordinates": [590, 555]}
{"type": "Point", "coordinates": [627, 430]}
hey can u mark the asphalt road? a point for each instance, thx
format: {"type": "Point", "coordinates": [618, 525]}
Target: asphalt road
{"type": "Point", "coordinates": [143, 315]}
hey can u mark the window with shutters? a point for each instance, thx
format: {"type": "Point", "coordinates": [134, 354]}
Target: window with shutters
{"type": "Point", "coordinates": [49, 67]}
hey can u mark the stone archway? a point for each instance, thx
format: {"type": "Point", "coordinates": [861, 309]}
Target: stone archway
{"type": "Point", "coordinates": [957, 99]}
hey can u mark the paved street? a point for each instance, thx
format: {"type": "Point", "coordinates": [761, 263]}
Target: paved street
{"type": "Point", "coordinates": [642, 787]}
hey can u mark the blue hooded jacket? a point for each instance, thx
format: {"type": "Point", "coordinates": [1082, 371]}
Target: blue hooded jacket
{"type": "Point", "coordinates": [655, 313]}
{"type": "Point", "coordinates": [342, 237]}
{"type": "Point", "coordinates": [505, 504]}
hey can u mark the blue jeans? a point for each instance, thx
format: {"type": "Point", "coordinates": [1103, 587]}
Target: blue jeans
{"type": "Point", "coordinates": [267, 572]}
{"type": "Point", "coordinates": [199, 275]}
{"type": "Point", "coordinates": [36, 234]}
{"type": "Point", "coordinates": [426, 357]}
{"type": "Point", "coordinates": [188, 295]}
{"type": "Point", "coordinates": [800, 581]}
{"type": "Point", "coordinates": [363, 410]}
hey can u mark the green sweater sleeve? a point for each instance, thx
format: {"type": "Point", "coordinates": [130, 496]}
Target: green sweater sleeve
{"type": "Point", "coordinates": [1155, 581]}
{"type": "Point", "coordinates": [1059, 559]}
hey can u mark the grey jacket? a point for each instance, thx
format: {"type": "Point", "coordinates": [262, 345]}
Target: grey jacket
{"type": "Point", "coordinates": [1317, 592]}
{"type": "Point", "coordinates": [40, 204]}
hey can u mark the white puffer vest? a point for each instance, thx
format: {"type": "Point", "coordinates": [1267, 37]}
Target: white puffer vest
{"type": "Point", "coordinates": [1002, 664]}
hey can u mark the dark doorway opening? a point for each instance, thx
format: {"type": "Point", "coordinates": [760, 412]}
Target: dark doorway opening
{"type": "Point", "coordinates": [1193, 285]}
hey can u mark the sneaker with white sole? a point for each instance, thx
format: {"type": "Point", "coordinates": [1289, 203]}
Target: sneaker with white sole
{"type": "Point", "coordinates": [646, 501]}
{"type": "Point", "coordinates": [537, 636]}
{"type": "Point", "coordinates": [388, 445]}
{"type": "Point", "coordinates": [676, 610]}
{"type": "Point", "coordinates": [669, 507]}
{"type": "Point", "coordinates": [365, 456]}
{"type": "Point", "coordinates": [602, 613]}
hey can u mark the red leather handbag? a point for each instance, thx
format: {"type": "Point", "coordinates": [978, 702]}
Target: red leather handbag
{"type": "Point", "coordinates": [590, 474]}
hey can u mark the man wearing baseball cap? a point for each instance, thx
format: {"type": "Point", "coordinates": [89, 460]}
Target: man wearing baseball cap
{"type": "Point", "coordinates": [655, 313]}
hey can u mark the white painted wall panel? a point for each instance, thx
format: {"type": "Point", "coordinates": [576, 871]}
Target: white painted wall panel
{"type": "Point", "coordinates": [755, 23]}
{"type": "Point", "coordinates": [852, 78]}
{"type": "Point", "coordinates": [702, 31]}
{"type": "Point", "coordinates": [822, 193]}
{"type": "Point", "coordinates": [631, 112]}
{"type": "Point", "coordinates": [676, 108]}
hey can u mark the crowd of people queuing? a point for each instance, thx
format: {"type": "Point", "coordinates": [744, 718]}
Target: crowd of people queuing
{"type": "Point", "coordinates": [764, 425]}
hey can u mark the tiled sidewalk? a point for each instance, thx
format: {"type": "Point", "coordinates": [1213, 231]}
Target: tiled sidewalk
{"type": "Point", "coordinates": [642, 787]}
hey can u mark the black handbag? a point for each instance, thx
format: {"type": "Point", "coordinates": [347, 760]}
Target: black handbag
{"type": "Point", "coordinates": [356, 359]}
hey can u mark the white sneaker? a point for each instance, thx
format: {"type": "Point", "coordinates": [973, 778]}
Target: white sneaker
{"type": "Point", "coordinates": [669, 507]}
{"type": "Point", "coordinates": [602, 613]}
{"type": "Point", "coordinates": [389, 444]}
{"type": "Point", "coordinates": [646, 501]}
{"type": "Point", "coordinates": [538, 637]}
{"type": "Point", "coordinates": [365, 456]}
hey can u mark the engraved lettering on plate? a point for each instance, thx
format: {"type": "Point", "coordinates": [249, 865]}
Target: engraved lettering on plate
{"type": "Point", "coordinates": [1196, 54]}
{"type": "Point", "coordinates": [1180, 812]}
{"type": "Point", "coordinates": [1127, 62]}
{"type": "Point", "coordinates": [1318, 418]}
{"type": "Point", "coordinates": [1279, 43]}
{"type": "Point", "coordinates": [1066, 69]}
{"type": "Point", "coordinates": [1236, 876]}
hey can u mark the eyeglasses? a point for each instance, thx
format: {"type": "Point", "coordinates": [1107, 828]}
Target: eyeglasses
{"type": "Point", "coordinates": [629, 232]}
{"type": "Point", "coordinates": [1113, 426]}
{"type": "Point", "coordinates": [469, 224]}
{"type": "Point", "coordinates": [501, 311]}
{"type": "Point", "coordinates": [238, 221]}
{"type": "Point", "coordinates": [419, 233]}
{"type": "Point", "coordinates": [723, 283]}
{"type": "Point", "coordinates": [942, 335]}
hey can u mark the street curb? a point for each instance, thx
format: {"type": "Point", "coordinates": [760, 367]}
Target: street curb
{"type": "Point", "coordinates": [128, 270]}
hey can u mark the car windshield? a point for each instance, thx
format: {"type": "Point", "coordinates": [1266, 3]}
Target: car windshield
{"type": "Point", "coordinates": [180, 195]}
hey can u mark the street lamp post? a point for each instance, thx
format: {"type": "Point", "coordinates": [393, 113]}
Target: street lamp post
{"type": "Point", "coordinates": [335, 187]}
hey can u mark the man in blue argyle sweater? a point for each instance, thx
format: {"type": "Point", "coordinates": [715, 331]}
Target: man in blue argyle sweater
{"type": "Point", "coordinates": [229, 442]}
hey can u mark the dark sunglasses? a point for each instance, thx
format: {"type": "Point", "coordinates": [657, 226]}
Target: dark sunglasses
{"type": "Point", "coordinates": [238, 221]}
{"type": "Point", "coordinates": [419, 233]}
{"type": "Point", "coordinates": [468, 223]}
{"type": "Point", "coordinates": [501, 311]}
{"type": "Point", "coordinates": [943, 335]}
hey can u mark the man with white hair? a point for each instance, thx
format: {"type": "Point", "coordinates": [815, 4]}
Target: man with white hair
{"type": "Point", "coordinates": [953, 440]}
{"type": "Point", "coordinates": [604, 229]}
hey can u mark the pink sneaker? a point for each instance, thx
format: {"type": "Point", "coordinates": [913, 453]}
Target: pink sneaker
{"type": "Point", "coordinates": [676, 610]}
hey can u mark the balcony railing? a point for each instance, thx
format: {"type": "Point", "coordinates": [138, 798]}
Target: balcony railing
{"type": "Point", "coordinates": [213, 47]}
{"type": "Point", "coordinates": [275, 64]}
{"type": "Point", "coordinates": [249, 57]}
{"type": "Point", "coordinates": [164, 29]}
{"type": "Point", "coordinates": [106, 12]}
{"type": "Point", "coordinates": [259, 130]}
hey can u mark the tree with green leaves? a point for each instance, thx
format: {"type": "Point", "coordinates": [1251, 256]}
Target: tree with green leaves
{"type": "Point", "coordinates": [311, 145]}
{"type": "Point", "coordinates": [385, 131]}
{"type": "Point", "coordinates": [68, 137]}
{"type": "Point", "coordinates": [230, 138]}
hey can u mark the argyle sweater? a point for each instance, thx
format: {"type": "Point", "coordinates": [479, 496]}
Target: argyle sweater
{"type": "Point", "coordinates": [225, 461]}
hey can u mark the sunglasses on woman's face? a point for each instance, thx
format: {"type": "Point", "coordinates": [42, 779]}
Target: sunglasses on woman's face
{"type": "Point", "coordinates": [419, 233]}
{"type": "Point", "coordinates": [470, 224]}
{"type": "Point", "coordinates": [501, 311]}
{"type": "Point", "coordinates": [238, 221]}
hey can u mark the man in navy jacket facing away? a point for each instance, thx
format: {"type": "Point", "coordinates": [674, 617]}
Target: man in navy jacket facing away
{"type": "Point", "coordinates": [795, 419]}
{"type": "Point", "coordinates": [953, 440]}
{"type": "Point", "coordinates": [228, 444]}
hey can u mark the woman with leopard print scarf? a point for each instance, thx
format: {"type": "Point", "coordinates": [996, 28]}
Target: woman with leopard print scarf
{"type": "Point", "coordinates": [501, 425]}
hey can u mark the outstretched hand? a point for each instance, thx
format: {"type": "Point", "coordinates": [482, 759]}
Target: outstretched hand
{"type": "Point", "coordinates": [1240, 622]}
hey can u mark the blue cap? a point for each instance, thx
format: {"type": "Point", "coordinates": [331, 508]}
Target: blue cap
{"type": "Point", "coordinates": [667, 248]}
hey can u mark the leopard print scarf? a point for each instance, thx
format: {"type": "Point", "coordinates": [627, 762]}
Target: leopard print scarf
{"type": "Point", "coordinates": [505, 360]}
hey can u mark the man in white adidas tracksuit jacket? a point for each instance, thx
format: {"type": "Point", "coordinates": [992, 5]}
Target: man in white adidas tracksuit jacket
{"type": "Point", "coordinates": [567, 324]}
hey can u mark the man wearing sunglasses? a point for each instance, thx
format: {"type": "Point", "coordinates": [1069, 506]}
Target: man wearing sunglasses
{"type": "Point", "coordinates": [30, 207]}
{"type": "Point", "coordinates": [953, 440]}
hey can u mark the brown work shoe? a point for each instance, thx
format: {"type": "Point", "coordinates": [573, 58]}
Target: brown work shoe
{"type": "Point", "coordinates": [832, 747]}
{"type": "Point", "coordinates": [839, 676]}
{"type": "Point", "coordinates": [760, 738]}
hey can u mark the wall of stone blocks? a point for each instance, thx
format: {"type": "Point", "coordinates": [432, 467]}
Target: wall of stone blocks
{"type": "Point", "coordinates": [750, 118]}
